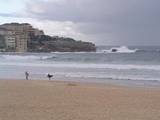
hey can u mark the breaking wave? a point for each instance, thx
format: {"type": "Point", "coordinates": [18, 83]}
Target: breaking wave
{"type": "Point", "coordinates": [23, 57]}
{"type": "Point", "coordinates": [122, 49]}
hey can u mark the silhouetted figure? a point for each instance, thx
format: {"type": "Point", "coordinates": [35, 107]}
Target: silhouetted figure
{"type": "Point", "coordinates": [49, 76]}
{"type": "Point", "coordinates": [27, 75]}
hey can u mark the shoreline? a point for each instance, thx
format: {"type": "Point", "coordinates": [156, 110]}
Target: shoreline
{"type": "Point", "coordinates": [123, 83]}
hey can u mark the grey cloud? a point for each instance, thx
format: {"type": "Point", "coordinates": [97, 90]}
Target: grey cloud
{"type": "Point", "coordinates": [93, 10]}
{"type": "Point", "coordinates": [12, 15]}
{"type": "Point", "coordinates": [69, 10]}
{"type": "Point", "coordinates": [108, 21]}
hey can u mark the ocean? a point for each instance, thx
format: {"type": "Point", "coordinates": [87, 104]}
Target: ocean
{"type": "Point", "coordinates": [136, 65]}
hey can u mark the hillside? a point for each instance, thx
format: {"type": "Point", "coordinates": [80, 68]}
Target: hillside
{"type": "Point", "coordinates": [16, 37]}
{"type": "Point", "coordinates": [45, 43]}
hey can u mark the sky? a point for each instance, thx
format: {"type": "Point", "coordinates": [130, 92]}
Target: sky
{"type": "Point", "coordinates": [104, 22]}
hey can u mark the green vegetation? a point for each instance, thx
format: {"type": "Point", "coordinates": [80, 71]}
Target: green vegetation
{"type": "Point", "coordinates": [45, 43]}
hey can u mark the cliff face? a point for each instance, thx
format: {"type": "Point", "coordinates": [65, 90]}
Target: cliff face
{"type": "Point", "coordinates": [46, 43]}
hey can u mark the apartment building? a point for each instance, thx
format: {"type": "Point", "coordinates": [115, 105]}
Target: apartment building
{"type": "Point", "coordinates": [21, 41]}
{"type": "Point", "coordinates": [9, 36]}
{"type": "Point", "coordinates": [17, 36]}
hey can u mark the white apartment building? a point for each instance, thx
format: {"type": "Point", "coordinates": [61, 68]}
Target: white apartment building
{"type": "Point", "coordinates": [10, 39]}
{"type": "Point", "coordinates": [21, 41]}
{"type": "Point", "coordinates": [17, 35]}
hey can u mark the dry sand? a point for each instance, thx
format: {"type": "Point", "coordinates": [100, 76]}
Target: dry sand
{"type": "Point", "coordinates": [48, 100]}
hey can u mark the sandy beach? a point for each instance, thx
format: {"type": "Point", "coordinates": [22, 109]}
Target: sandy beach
{"type": "Point", "coordinates": [51, 100]}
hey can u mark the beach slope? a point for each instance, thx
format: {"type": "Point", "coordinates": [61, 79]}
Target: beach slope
{"type": "Point", "coordinates": [48, 100]}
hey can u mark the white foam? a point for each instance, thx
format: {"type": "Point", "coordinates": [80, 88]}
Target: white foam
{"type": "Point", "coordinates": [85, 65]}
{"type": "Point", "coordinates": [90, 75]}
{"type": "Point", "coordinates": [23, 57]}
{"type": "Point", "coordinates": [122, 49]}
{"type": "Point", "coordinates": [112, 77]}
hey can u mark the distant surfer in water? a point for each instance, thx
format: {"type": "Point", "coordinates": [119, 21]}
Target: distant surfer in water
{"type": "Point", "coordinates": [49, 76]}
{"type": "Point", "coordinates": [27, 75]}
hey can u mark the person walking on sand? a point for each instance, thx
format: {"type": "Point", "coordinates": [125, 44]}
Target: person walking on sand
{"type": "Point", "coordinates": [27, 75]}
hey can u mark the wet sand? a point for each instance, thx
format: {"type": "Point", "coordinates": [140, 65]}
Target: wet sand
{"type": "Point", "coordinates": [51, 100]}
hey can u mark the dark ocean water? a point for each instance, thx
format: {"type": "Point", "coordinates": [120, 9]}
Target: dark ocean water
{"type": "Point", "coordinates": [131, 65]}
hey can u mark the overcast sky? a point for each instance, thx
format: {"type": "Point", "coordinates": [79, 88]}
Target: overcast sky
{"type": "Point", "coordinates": [104, 22]}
